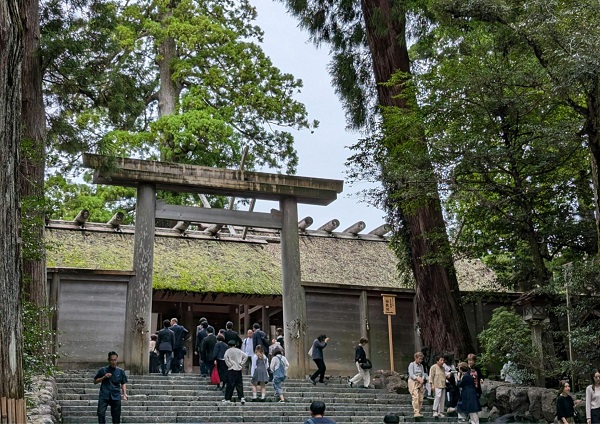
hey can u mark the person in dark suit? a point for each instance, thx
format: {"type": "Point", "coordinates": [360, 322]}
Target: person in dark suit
{"type": "Point", "coordinates": [165, 342]}
{"type": "Point", "coordinates": [180, 334]}
{"type": "Point", "coordinates": [207, 349]}
{"type": "Point", "coordinates": [259, 337]}
{"type": "Point", "coordinates": [201, 333]}
{"type": "Point", "coordinates": [231, 334]}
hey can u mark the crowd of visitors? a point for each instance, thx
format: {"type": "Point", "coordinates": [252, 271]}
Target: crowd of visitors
{"type": "Point", "coordinates": [226, 357]}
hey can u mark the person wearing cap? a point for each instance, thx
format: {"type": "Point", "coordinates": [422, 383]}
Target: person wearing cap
{"type": "Point", "coordinates": [235, 360]}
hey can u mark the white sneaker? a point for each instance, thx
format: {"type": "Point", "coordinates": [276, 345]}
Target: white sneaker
{"type": "Point", "coordinates": [451, 410]}
{"type": "Point", "coordinates": [435, 415]}
{"type": "Point", "coordinates": [243, 401]}
{"type": "Point", "coordinates": [226, 401]}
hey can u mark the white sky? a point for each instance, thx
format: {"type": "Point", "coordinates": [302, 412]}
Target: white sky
{"type": "Point", "coordinates": [323, 153]}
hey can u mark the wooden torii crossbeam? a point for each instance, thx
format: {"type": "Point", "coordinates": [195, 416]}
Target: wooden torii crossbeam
{"type": "Point", "coordinates": [150, 176]}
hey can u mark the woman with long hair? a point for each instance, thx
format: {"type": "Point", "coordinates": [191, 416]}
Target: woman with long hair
{"type": "Point", "coordinates": [259, 373]}
{"type": "Point", "coordinates": [592, 399]}
{"type": "Point", "coordinates": [565, 406]}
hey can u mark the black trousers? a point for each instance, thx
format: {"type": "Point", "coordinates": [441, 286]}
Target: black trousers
{"type": "Point", "coordinates": [320, 370]}
{"type": "Point", "coordinates": [234, 381]}
{"type": "Point", "coordinates": [165, 356]}
{"type": "Point", "coordinates": [177, 360]}
{"type": "Point", "coordinates": [595, 416]}
{"type": "Point", "coordinates": [115, 410]}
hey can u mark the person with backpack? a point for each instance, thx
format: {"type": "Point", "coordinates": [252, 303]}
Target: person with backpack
{"type": "Point", "coordinates": [260, 338]}
{"type": "Point", "coordinates": [279, 366]}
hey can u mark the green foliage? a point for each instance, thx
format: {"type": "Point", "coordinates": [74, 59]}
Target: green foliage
{"type": "Point", "coordinates": [583, 282]}
{"type": "Point", "coordinates": [103, 84]}
{"type": "Point", "coordinates": [38, 356]}
{"type": "Point", "coordinates": [66, 199]}
{"type": "Point", "coordinates": [508, 338]}
{"type": "Point", "coordinates": [503, 143]}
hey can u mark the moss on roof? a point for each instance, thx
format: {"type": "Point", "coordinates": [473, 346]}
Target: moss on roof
{"type": "Point", "coordinates": [200, 265]}
{"type": "Point", "coordinates": [179, 263]}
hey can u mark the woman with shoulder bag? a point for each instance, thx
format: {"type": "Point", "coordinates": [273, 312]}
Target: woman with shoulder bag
{"type": "Point", "coordinates": [362, 365]}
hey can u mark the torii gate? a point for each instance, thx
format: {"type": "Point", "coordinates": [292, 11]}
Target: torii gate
{"type": "Point", "coordinates": [150, 176]}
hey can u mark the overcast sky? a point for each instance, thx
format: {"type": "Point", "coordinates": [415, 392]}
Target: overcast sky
{"type": "Point", "coordinates": [323, 153]}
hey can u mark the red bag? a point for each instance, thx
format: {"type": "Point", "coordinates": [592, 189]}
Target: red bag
{"type": "Point", "coordinates": [214, 376]}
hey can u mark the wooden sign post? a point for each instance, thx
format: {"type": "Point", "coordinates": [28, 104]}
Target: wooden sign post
{"type": "Point", "coordinates": [389, 309]}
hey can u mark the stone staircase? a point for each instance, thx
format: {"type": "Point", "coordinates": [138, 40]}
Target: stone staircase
{"type": "Point", "coordinates": [187, 398]}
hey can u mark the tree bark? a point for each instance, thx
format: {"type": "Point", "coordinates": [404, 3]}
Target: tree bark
{"type": "Point", "coordinates": [12, 402]}
{"type": "Point", "coordinates": [439, 308]}
{"type": "Point", "coordinates": [32, 164]}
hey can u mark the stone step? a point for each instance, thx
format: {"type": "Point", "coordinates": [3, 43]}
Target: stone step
{"type": "Point", "coordinates": [188, 398]}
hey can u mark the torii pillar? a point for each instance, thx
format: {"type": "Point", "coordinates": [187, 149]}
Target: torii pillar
{"type": "Point", "coordinates": [150, 176]}
{"type": "Point", "coordinates": [294, 301]}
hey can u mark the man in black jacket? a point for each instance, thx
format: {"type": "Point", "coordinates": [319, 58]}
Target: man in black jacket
{"type": "Point", "coordinates": [180, 334]}
{"type": "Point", "coordinates": [201, 333]}
{"type": "Point", "coordinates": [165, 342]}
{"type": "Point", "coordinates": [260, 337]}
{"type": "Point", "coordinates": [207, 349]}
{"type": "Point", "coordinates": [231, 334]}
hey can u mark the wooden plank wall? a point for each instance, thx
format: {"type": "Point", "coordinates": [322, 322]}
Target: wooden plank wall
{"type": "Point", "coordinates": [91, 318]}
{"type": "Point", "coordinates": [403, 334]}
{"type": "Point", "coordinates": [337, 316]}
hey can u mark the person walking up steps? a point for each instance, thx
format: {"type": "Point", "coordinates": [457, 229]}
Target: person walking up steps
{"type": "Point", "coordinates": [259, 373]}
{"type": "Point", "coordinates": [234, 359]}
{"type": "Point", "coordinates": [360, 357]}
{"type": "Point", "coordinates": [318, 345]}
{"type": "Point", "coordinates": [279, 366]}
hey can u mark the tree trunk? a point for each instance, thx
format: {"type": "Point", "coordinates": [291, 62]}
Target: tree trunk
{"type": "Point", "coordinates": [12, 401]}
{"type": "Point", "coordinates": [32, 167]}
{"type": "Point", "coordinates": [441, 316]}
{"type": "Point", "coordinates": [592, 130]}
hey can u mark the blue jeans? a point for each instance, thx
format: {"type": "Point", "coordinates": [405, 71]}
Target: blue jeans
{"type": "Point", "coordinates": [161, 360]}
{"type": "Point", "coordinates": [277, 385]}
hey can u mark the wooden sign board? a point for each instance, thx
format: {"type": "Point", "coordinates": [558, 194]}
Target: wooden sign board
{"type": "Point", "coordinates": [389, 304]}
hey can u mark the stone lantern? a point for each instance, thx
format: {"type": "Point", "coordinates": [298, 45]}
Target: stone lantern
{"type": "Point", "coordinates": [534, 314]}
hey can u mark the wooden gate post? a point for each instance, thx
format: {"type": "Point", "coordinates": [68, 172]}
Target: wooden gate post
{"type": "Point", "coordinates": [294, 301]}
{"type": "Point", "coordinates": [138, 316]}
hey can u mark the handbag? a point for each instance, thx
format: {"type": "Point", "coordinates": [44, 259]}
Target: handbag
{"type": "Point", "coordinates": [310, 351]}
{"type": "Point", "coordinates": [214, 376]}
{"type": "Point", "coordinates": [367, 365]}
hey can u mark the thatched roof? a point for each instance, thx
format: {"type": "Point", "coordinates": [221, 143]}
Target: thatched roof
{"type": "Point", "coordinates": [198, 263]}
